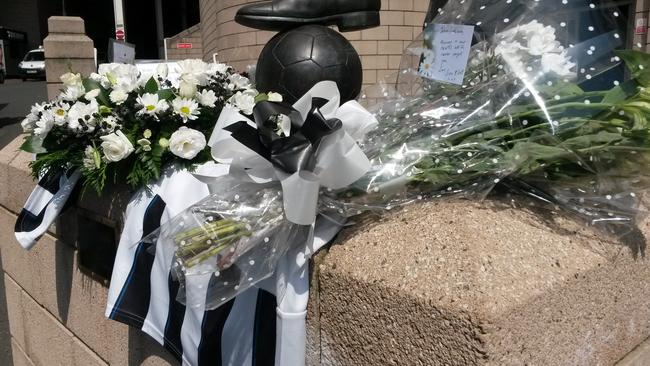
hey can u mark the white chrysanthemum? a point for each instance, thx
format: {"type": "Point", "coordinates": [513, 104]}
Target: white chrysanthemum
{"type": "Point", "coordinates": [91, 158]}
{"type": "Point", "coordinates": [119, 76]}
{"type": "Point", "coordinates": [217, 68]}
{"type": "Point", "coordinates": [118, 96]}
{"type": "Point", "coordinates": [28, 125]}
{"type": "Point", "coordinates": [186, 108]}
{"type": "Point", "coordinates": [187, 143]}
{"type": "Point", "coordinates": [110, 123]}
{"type": "Point", "coordinates": [44, 124]}
{"type": "Point", "coordinates": [525, 47]}
{"type": "Point", "coordinates": [558, 63]}
{"type": "Point", "coordinates": [207, 98]}
{"type": "Point", "coordinates": [72, 93]}
{"type": "Point", "coordinates": [36, 109]}
{"type": "Point", "coordinates": [244, 101]}
{"type": "Point", "coordinates": [151, 104]}
{"type": "Point", "coordinates": [194, 71]}
{"type": "Point", "coordinates": [82, 116]}
{"type": "Point", "coordinates": [237, 81]}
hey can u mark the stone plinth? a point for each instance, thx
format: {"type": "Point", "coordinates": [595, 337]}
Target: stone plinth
{"type": "Point", "coordinates": [67, 48]}
{"type": "Point", "coordinates": [460, 283]}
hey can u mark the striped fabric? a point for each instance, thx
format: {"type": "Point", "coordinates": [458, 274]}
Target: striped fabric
{"type": "Point", "coordinates": [45, 203]}
{"type": "Point", "coordinates": [254, 329]}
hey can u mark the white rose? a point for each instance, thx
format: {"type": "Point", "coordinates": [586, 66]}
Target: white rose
{"type": "Point", "coordinates": [187, 143]}
{"type": "Point", "coordinates": [118, 96]}
{"type": "Point", "coordinates": [186, 89]}
{"type": "Point", "coordinates": [116, 146]}
{"type": "Point", "coordinates": [245, 101]}
{"type": "Point", "coordinates": [71, 79]}
{"type": "Point", "coordinates": [274, 97]}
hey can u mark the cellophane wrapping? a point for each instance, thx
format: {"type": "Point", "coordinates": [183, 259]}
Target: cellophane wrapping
{"type": "Point", "coordinates": [551, 109]}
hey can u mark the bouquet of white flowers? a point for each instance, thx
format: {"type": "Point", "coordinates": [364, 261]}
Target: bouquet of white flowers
{"type": "Point", "coordinates": [121, 126]}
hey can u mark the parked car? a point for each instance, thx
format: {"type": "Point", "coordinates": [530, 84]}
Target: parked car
{"type": "Point", "coordinates": [33, 65]}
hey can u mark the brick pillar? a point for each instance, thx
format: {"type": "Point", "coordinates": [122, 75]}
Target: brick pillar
{"type": "Point", "coordinates": [642, 7]}
{"type": "Point", "coordinates": [67, 48]}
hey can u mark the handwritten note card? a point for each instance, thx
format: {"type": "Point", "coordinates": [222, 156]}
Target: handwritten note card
{"type": "Point", "coordinates": [446, 52]}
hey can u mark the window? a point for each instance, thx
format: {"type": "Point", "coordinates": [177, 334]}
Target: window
{"type": "Point", "coordinates": [35, 56]}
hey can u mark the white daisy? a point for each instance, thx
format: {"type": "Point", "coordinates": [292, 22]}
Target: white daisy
{"type": "Point", "coordinates": [151, 104]}
{"type": "Point", "coordinates": [60, 113]}
{"type": "Point", "coordinates": [186, 108]}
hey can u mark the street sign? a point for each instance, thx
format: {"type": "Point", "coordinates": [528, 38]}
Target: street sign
{"type": "Point", "coordinates": [641, 26]}
{"type": "Point", "coordinates": [119, 34]}
{"type": "Point", "coordinates": [183, 45]}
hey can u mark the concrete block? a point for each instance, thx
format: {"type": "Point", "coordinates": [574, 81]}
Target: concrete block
{"type": "Point", "coordinates": [54, 89]}
{"type": "Point", "coordinates": [20, 358]}
{"type": "Point", "coordinates": [49, 274]}
{"type": "Point", "coordinates": [60, 24]}
{"type": "Point", "coordinates": [68, 46]}
{"type": "Point", "coordinates": [48, 342]}
{"type": "Point", "coordinates": [55, 67]}
{"type": "Point", "coordinates": [639, 357]}
{"type": "Point", "coordinates": [19, 181]}
{"type": "Point", "coordinates": [5, 333]}
{"type": "Point", "coordinates": [7, 155]}
{"type": "Point", "coordinates": [462, 283]}
{"type": "Point", "coordinates": [15, 311]}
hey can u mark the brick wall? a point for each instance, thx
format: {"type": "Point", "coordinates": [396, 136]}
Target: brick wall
{"type": "Point", "coordinates": [191, 35]}
{"type": "Point", "coordinates": [380, 48]}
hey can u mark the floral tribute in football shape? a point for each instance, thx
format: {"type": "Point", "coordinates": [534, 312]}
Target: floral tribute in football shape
{"type": "Point", "coordinates": [121, 125]}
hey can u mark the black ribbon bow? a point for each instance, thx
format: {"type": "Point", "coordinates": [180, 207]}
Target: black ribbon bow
{"type": "Point", "coordinates": [292, 153]}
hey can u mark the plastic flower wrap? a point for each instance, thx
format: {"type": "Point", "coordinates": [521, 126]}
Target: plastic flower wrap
{"type": "Point", "coordinates": [543, 112]}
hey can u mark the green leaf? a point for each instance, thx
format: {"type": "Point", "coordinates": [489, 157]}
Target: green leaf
{"type": "Point", "coordinates": [151, 86]}
{"type": "Point", "coordinates": [165, 94]}
{"type": "Point", "coordinates": [585, 141]}
{"type": "Point", "coordinates": [561, 88]}
{"type": "Point", "coordinates": [638, 63]}
{"type": "Point", "coordinates": [261, 97]}
{"type": "Point", "coordinates": [102, 98]}
{"type": "Point", "coordinates": [33, 144]}
{"type": "Point", "coordinates": [621, 92]}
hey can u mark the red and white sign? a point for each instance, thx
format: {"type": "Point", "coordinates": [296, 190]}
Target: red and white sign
{"type": "Point", "coordinates": [184, 45]}
{"type": "Point", "coordinates": [641, 26]}
{"type": "Point", "coordinates": [119, 34]}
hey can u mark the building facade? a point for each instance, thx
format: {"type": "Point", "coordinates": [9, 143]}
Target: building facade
{"type": "Point", "coordinates": [219, 37]}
